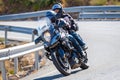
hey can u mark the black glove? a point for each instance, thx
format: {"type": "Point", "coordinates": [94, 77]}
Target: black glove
{"type": "Point", "coordinates": [75, 27]}
{"type": "Point", "coordinates": [37, 40]}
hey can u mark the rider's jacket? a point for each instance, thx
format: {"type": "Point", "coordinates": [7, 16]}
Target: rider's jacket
{"type": "Point", "coordinates": [69, 19]}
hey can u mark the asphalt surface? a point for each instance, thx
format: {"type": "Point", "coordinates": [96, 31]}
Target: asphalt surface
{"type": "Point", "coordinates": [102, 38]}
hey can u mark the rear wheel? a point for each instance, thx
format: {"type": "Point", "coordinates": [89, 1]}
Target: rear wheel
{"type": "Point", "coordinates": [61, 65]}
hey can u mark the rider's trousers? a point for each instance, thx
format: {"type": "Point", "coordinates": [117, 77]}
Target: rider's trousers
{"type": "Point", "coordinates": [77, 37]}
{"type": "Point", "coordinates": [75, 44]}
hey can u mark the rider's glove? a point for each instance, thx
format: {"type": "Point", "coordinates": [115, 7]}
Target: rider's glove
{"type": "Point", "coordinates": [37, 40]}
{"type": "Point", "coordinates": [75, 27]}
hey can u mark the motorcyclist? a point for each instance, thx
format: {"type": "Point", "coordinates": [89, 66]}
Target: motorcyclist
{"type": "Point", "coordinates": [74, 27]}
{"type": "Point", "coordinates": [52, 15]}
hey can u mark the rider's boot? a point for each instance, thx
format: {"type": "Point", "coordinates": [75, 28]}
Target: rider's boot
{"type": "Point", "coordinates": [83, 66]}
{"type": "Point", "coordinates": [73, 63]}
{"type": "Point", "coordinates": [76, 65]}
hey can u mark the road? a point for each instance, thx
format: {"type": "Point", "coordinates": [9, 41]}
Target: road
{"type": "Point", "coordinates": [102, 39]}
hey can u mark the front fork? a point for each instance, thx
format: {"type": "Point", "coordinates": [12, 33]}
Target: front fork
{"type": "Point", "coordinates": [59, 50]}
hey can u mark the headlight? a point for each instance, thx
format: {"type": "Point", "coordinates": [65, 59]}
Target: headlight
{"type": "Point", "coordinates": [47, 36]}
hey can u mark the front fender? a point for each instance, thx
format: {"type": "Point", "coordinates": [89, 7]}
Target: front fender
{"type": "Point", "coordinates": [57, 62]}
{"type": "Point", "coordinates": [58, 51]}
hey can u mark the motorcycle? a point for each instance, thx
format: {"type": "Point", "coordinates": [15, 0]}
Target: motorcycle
{"type": "Point", "coordinates": [59, 48]}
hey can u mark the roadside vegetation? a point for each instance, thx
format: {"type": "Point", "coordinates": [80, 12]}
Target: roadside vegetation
{"type": "Point", "coordinates": [20, 6]}
{"type": "Point", "coordinates": [1, 43]}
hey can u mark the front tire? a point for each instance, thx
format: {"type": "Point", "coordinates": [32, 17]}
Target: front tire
{"type": "Point", "coordinates": [60, 65]}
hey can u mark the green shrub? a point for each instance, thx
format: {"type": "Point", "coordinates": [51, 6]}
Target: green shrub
{"type": "Point", "coordinates": [98, 2]}
{"type": "Point", "coordinates": [1, 39]}
{"type": "Point", "coordinates": [11, 71]}
{"type": "Point", "coordinates": [21, 6]}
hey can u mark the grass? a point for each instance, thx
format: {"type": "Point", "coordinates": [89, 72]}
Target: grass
{"type": "Point", "coordinates": [2, 39]}
{"type": "Point", "coordinates": [2, 46]}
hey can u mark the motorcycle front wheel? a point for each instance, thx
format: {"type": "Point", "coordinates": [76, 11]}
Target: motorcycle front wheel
{"type": "Point", "coordinates": [61, 65]}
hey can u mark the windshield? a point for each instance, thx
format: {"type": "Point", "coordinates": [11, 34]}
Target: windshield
{"type": "Point", "coordinates": [44, 25]}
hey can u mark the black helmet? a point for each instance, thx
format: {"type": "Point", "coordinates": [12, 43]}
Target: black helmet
{"type": "Point", "coordinates": [51, 15]}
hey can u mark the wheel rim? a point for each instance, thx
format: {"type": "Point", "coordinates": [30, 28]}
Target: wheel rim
{"type": "Point", "coordinates": [65, 65]}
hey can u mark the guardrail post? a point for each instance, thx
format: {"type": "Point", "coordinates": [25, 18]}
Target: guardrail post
{"type": "Point", "coordinates": [104, 12]}
{"type": "Point", "coordinates": [38, 18]}
{"type": "Point", "coordinates": [37, 60]}
{"type": "Point", "coordinates": [16, 65]}
{"type": "Point", "coordinates": [80, 12]}
{"type": "Point", "coordinates": [78, 16]}
{"type": "Point", "coordinates": [6, 35]}
{"type": "Point", "coordinates": [3, 70]}
{"type": "Point", "coordinates": [33, 36]}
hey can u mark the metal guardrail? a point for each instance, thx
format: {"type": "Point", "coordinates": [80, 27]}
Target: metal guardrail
{"type": "Point", "coordinates": [23, 15]}
{"type": "Point", "coordinates": [100, 12]}
{"type": "Point", "coordinates": [105, 16]}
{"type": "Point", "coordinates": [15, 52]}
{"type": "Point", "coordinates": [16, 29]}
{"type": "Point", "coordinates": [79, 9]}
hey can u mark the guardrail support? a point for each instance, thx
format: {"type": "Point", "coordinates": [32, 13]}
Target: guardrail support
{"type": "Point", "coordinates": [105, 13]}
{"type": "Point", "coordinates": [38, 18]}
{"type": "Point", "coordinates": [3, 70]}
{"type": "Point", "coordinates": [33, 36]}
{"type": "Point", "coordinates": [6, 36]}
{"type": "Point", "coordinates": [16, 65]}
{"type": "Point", "coordinates": [37, 60]}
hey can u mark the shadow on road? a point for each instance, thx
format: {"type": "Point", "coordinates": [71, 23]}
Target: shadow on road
{"type": "Point", "coordinates": [55, 76]}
